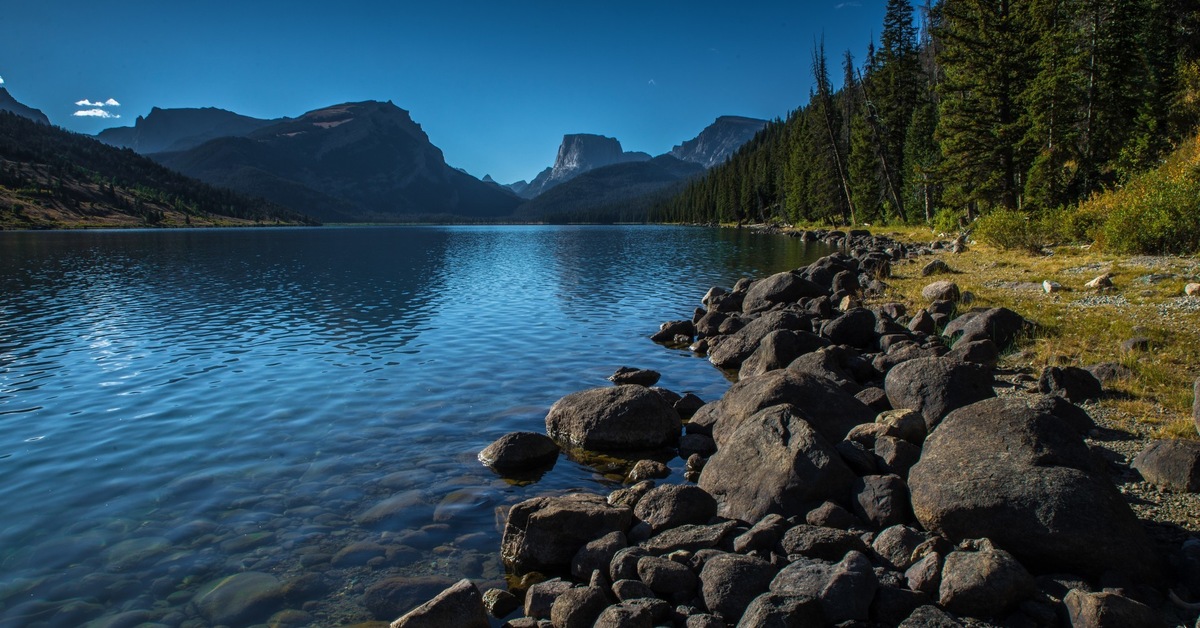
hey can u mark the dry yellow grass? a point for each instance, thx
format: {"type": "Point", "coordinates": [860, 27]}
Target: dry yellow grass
{"type": "Point", "coordinates": [1081, 327]}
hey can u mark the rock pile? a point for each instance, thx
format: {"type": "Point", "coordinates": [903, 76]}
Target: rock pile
{"type": "Point", "coordinates": [861, 472]}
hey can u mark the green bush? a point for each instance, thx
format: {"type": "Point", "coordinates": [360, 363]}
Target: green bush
{"type": "Point", "coordinates": [1009, 229]}
{"type": "Point", "coordinates": [949, 221]}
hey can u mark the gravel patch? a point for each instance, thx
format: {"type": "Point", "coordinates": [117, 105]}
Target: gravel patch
{"type": "Point", "coordinates": [1179, 305]}
{"type": "Point", "coordinates": [1115, 300]}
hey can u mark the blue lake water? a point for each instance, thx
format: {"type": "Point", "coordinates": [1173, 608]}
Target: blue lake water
{"type": "Point", "coordinates": [180, 406]}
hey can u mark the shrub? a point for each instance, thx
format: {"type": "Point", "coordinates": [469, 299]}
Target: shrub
{"type": "Point", "coordinates": [949, 221]}
{"type": "Point", "coordinates": [1156, 212]}
{"type": "Point", "coordinates": [1009, 229]}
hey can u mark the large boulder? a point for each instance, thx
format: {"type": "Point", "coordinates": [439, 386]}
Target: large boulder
{"type": "Point", "coordinates": [941, 291]}
{"type": "Point", "coordinates": [1000, 325]}
{"type": "Point", "coordinates": [778, 349]}
{"type": "Point", "coordinates": [785, 287]}
{"type": "Point", "coordinates": [1108, 610]}
{"type": "Point", "coordinates": [855, 328]}
{"type": "Point", "coordinates": [1004, 470]}
{"type": "Point", "coordinates": [545, 533]}
{"type": "Point", "coordinates": [829, 410]}
{"type": "Point", "coordinates": [775, 462]}
{"type": "Point", "coordinates": [460, 605]}
{"type": "Point", "coordinates": [935, 386]}
{"type": "Point", "coordinates": [1172, 464]}
{"type": "Point", "coordinates": [728, 352]}
{"type": "Point", "coordinates": [615, 418]}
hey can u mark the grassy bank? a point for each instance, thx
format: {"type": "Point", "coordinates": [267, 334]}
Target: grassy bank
{"type": "Point", "coordinates": [1081, 327]}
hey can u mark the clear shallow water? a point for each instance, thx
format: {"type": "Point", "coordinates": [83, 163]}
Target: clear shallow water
{"type": "Point", "coordinates": [180, 406]}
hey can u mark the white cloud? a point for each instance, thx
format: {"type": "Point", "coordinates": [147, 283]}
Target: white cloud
{"type": "Point", "coordinates": [652, 82]}
{"type": "Point", "coordinates": [844, 5]}
{"type": "Point", "coordinates": [111, 102]}
{"type": "Point", "coordinates": [94, 113]}
{"type": "Point", "coordinates": [1, 80]}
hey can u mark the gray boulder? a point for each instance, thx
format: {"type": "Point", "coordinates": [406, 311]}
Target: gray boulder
{"type": "Point", "coordinates": [1000, 325]}
{"type": "Point", "coordinates": [614, 418]}
{"type": "Point", "coordinates": [1072, 382]}
{"type": "Point", "coordinates": [728, 352]}
{"type": "Point", "coordinates": [777, 349]}
{"type": "Point", "coordinates": [730, 582]}
{"type": "Point", "coordinates": [1023, 478]}
{"type": "Point", "coordinates": [545, 533]}
{"type": "Point", "coordinates": [828, 544]}
{"type": "Point", "coordinates": [625, 616]}
{"type": "Point", "coordinates": [460, 605]}
{"type": "Point", "coordinates": [579, 607]}
{"type": "Point", "coordinates": [930, 617]}
{"type": "Point", "coordinates": [665, 576]}
{"type": "Point", "coordinates": [673, 505]}
{"type": "Point", "coordinates": [881, 500]}
{"type": "Point", "coordinates": [774, 463]}
{"type": "Point", "coordinates": [987, 582]}
{"type": "Point", "coordinates": [898, 544]}
{"type": "Point", "coordinates": [520, 451]}
{"type": "Point", "coordinates": [829, 410]}
{"type": "Point", "coordinates": [777, 610]}
{"type": "Point", "coordinates": [597, 554]}
{"type": "Point", "coordinates": [785, 287]}
{"type": "Point", "coordinates": [1172, 464]}
{"type": "Point", "coordinates": [1108, 610]}
{"type": "Point", "coordinates": [855, 328]}
{"type": "Point", "coordinates": [941, 291]}
{"type": "Point", "coordinates": [539, 599]}
{"type": "Point", "coordinates": [935, 386]}
{"type": "Point", "coordinates": [982, 352]}
{"type": "Point", "coordinates": [845, 589]}
{"type": "Point", "coordinates": [627, 375]}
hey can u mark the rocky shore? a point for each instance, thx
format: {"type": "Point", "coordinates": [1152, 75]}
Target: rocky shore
{"type": "Point", "coordinates": [871, 467]}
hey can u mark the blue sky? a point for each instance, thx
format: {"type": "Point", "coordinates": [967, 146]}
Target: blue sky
{"type": "Point", "coordinates": [494, 84]}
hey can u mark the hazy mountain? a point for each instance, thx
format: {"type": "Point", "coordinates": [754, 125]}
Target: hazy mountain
{"type": "Point", "coordinates": [578, 154]}
{"type": "Point", "coordinates": [10, 104]}
{"type": "Point", "coordinates": [611, 193]}
{"type": "Point", "coordinates": [718, 141]}
{"type": "Point", "coordinates": [364, 161]}
{"type": "Point", "coordinates": [51, 178]}
{"type": "Point", "coordinates": [180, 129]}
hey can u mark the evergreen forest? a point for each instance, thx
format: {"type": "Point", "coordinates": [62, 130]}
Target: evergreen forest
{"type": "Point", "coordinates": [968, 107]}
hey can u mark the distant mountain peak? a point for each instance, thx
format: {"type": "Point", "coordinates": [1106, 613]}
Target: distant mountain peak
{"type": "Point", "coordinates": [579, 153]}
{"type": "Point", "coordinates": [11, 105]}
{"type": "Point", "coordinates": [719, 140]}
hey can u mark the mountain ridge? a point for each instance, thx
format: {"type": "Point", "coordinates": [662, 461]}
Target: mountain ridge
{"type": "Point", "coordinates": [12, 105]}
{"type": "Point", "coordinates": [180, 129]}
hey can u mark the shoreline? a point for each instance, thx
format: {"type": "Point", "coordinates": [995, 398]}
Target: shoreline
{"type": "Point", "coordinates": [727, 530]}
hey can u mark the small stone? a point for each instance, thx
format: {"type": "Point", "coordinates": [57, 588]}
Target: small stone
{"type": "Point", "coordinates": [647, 470]}
{"type": "Point", "coordinates": [636, 377]}
{"type": "Point", "coordinates": [1172, 464]}
{"type": "Point", "coordinates": [519, 451]}
{"type": "Point", "coordinates": [1051, 287]}
{"type": "Point", "coordinates": [500, 603]}
{"type": "Point", "coordinates": [934, 267]}
{"type": "Point", "coordinates": [941, 291]}
{"type": "Point", "coordinates": [1192, 289]}
{"type": "Point", "coordinates": [1137, 344]}
{"type": "Point", "coordinates": [1099, 283]}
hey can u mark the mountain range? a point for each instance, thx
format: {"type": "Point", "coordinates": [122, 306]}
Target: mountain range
{"type": "Point", "coordinates": [355, 162]}
{"type": "Point", "coordinates": [370, 162]}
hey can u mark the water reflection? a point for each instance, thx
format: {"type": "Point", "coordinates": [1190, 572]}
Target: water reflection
{"type": "Point", "coordinates": [180, 406]}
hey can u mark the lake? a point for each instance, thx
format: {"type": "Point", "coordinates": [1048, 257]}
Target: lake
{"type": "Point", "coordinates": [177, 407]}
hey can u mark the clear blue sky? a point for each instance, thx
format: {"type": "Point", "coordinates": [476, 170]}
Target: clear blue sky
{"type": "Point", "coordinates": [494, 84]}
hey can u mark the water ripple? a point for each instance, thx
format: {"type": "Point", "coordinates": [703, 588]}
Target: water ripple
{"type": "Point", "coordinates": [165, 393]}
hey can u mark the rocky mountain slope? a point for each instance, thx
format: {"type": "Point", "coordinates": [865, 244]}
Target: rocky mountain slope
{"type": "Point", "coordinates": [577, 154]}
{"type": "Point", "coordinates": [11, 105]}
{"type": "Point", "coordinates": [718, 141]}
{"type": "Point", "coordinates": [355, 162]}
{"type": "Point", "coordinates": [51, 178]}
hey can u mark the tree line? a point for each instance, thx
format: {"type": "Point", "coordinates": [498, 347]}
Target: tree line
{"type": "Point", "coordinates": [969, 106]}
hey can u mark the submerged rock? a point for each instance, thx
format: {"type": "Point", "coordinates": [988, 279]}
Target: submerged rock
{"type": "Point", "coordinates": [520, 451]}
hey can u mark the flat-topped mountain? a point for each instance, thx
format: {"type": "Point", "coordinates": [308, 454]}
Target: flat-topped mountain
{"type": "Point", "coordinates": [365, 161]}
{"type": "Point", "coordinates": [180, 129]}
{"type": "Point", "coordinates": [579, 153]}
{"type": "Point", "coordinates": [11, 105]}
{"type": "Point", "coordinates": [718, 141]}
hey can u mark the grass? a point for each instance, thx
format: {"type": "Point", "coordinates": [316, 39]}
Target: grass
{"type": "Point", "coordinates": [1157, 399]}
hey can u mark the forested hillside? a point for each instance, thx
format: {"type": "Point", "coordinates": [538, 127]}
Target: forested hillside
{"type": "Point", "coordinates": [967, 106]}
{"type": "Point", "coordinates": [51, 178]}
